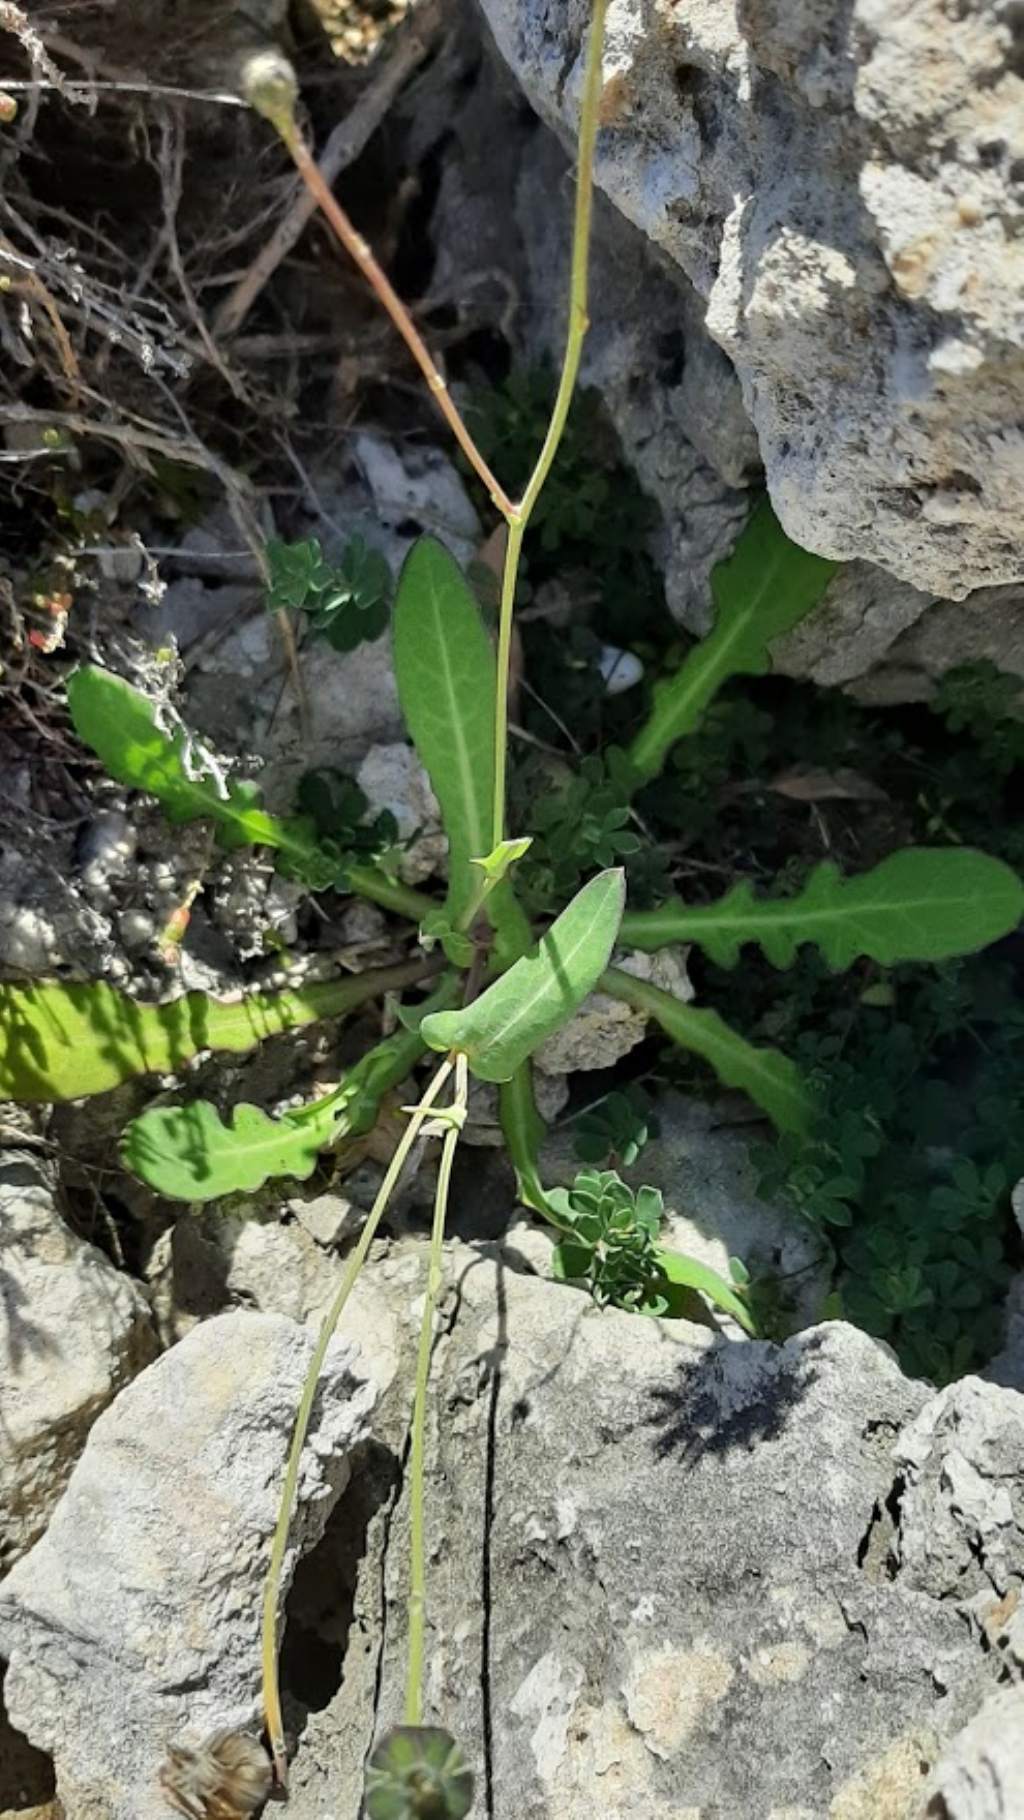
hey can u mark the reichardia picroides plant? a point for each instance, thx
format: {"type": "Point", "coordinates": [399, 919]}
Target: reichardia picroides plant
{"type": "Point", "coordinates": [497, 986]}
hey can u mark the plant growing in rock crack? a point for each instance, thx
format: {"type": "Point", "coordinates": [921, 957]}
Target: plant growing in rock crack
{"type": "Point", "coordinates": [497, 991]}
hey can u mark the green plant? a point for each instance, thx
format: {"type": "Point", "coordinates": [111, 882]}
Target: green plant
{"type": "Point", "coordinates": [580, 821]}
{"type": "Point", "coordinates": [980, 698]}
{"type": "Point", "coordinates": [616, 1129]}
{"type": "Point", "coordinates": [337, 808]}
{"type": "Point", "coordinates": [346, 602]}
{"type": "Point", "coordinates": [916, 1141]}
{"type": "Point", "coordinates": [610, 1245]}
{"type": "Point", "coordinates": [506, 986]}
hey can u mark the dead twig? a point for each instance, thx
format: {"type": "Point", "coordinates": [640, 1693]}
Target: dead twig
{"type": "Point", "coordinates": [412, 43]}
{"type": "Point", "coordinates": [74, 89]}
{"type": "Point", "coordinates": [171, 165]}
{"type": "Point", "coordinates": [12, 19]}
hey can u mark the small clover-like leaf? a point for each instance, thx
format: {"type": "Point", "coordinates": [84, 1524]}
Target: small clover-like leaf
{"type": "Point", "coordinates": [296, 573]}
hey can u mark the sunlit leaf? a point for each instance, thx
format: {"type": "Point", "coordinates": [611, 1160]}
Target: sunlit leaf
{"type": "Point", "coordinates": [922, 904]}
{"type": "Point", "coordinates": [65, 1042]}
{"type": "Point", "coordinates": [190, 1153]}
{"type": "Point", "coordinates": [540, 992]}
{"type": "Point", "coordinates": [763, 589]}
{"type": "Point", "coordinates": [771, 1079]}
{"type": "Point", "coordinates": [119, 723]}
{"type": "Point", "coordinates": [445, 671]}
{"type": "Point", "coordinates": [688, 1273]}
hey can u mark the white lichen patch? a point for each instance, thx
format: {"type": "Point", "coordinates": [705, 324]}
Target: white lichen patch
{"type": "Point", "coordinates": [670, 1694]}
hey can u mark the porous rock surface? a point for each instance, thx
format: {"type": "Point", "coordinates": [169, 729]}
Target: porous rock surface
{"type": "Point", "coordinates": [73, 1330]}
{"type": "Point", "coordinates": [981, 1775]}
{"type": "Point", "coordinates": [671, 1572]}
{"type": "Point", "coordinates": [663, 1573]}
{"type": "Point", "coordinates": [135, 1620]}
{"type": "Point", "coordinates": [844, 186]}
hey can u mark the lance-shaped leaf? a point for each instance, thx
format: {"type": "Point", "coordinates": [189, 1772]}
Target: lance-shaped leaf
{"type": "Point", "coordinates": [120, 725]}
{"type": "Point", "coordinates": [191, 1153]}
{"type": "Point", "coordinates": [445, 671]}
{"type": "Point", "coordinates": [924, 904]}
{"type": "Point", "coordinates": [771, 1079]}
{"type": "Point", "coordinates": [763, 589]}
{"type": "Point", "coordinates": [444, 668]}
{"type": "Point", "coordinates": [541, 991]}
{"type": "Point", "coordinates": [686, 1274]}
{"type": "Point", "coordinates": [66, 1042]}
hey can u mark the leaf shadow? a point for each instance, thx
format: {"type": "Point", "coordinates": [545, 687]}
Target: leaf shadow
{"type": "Point", "coordinates": [738, 1397]}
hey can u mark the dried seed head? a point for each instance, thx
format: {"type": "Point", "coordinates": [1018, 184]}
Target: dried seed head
{"type": "Point", "coordinates": [270, 86]}
{"type": "Point", "coordinates": [226, 1778]}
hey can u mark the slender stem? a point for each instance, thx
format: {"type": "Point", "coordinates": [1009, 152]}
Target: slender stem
{"type": "Point", "coordinates": [509, 577]}
{"type": "Point", "coordinates": [357, 247]}
{"type": "Point", "coordinates": [271, 1596]}
{"type": "Point", "coordinates": [575, 331]}
{"type": "Point", "coordinates": [418, 1560]}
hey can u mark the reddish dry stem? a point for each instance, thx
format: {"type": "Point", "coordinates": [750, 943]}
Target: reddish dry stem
{"type": "Point", "coordinates": [357, 247]}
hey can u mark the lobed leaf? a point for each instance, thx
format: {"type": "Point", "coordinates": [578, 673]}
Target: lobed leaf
{"type": "Point", "coordinates": [67, 1042]}
{"type": "Point", "coordinates": [498, 1030]}
{"type": "Point", "coordinates": [763, 589]}
{"type": "Point", "coordinates": [190, 1153]}
{"type": "Point", "coordinates": [771, 1079]}
{"type": "Point", "coordinates": [923, 904]}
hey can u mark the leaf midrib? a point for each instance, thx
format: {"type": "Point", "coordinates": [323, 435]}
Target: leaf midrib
{"type": "Point", "coordinates": [539, 961]}
{"type": "Point", "coordinates": [477, 818]}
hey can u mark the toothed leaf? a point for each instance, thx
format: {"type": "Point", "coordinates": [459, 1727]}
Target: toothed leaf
{"type": "Point", "coordinates": [924, 904]}
{"type": "Point", "coordinates": [67, 1042]}
{"type": "Point", "coordinates": [771, 1079]}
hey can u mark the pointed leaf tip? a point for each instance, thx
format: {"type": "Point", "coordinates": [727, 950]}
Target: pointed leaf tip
{"type": "Point", "coordinates": [540, 992]}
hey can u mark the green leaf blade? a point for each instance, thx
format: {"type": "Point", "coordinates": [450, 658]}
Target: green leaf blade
{"type": "Point", "coordinates": [769, 1078]}
{"type": "Point", "coordinates": [68, 1042]}
{"type": "Point", "coordinates": [689, 1273]}
{"type": "Point", "coordinates": [537, 995]}
{"type": "Point", "coordinates": [922, 904]}
{"type": "Point", "coordinates": [119, 724]}
{"type": "Point", "coordinates": [762, 590]}
{"type": "Point", "coordinates": [190, 1153]}
{"type": "Point", "coordinates": [445, 671]}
